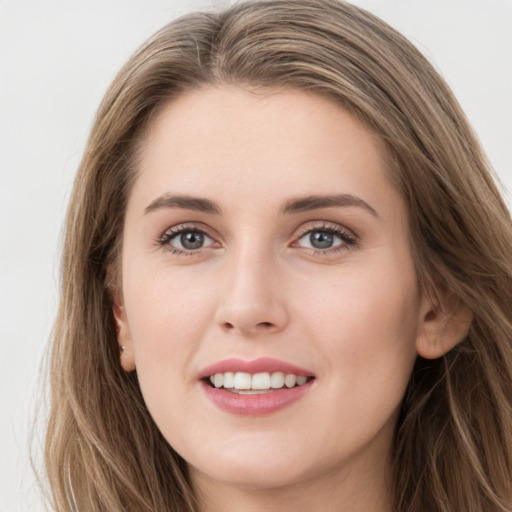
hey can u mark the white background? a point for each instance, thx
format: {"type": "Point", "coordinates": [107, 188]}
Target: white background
{"type": "Point", "coordinates": [57, 58]}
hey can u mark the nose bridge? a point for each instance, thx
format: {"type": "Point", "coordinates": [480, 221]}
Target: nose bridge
{"type": "Point", "coordinates": [251, 301]}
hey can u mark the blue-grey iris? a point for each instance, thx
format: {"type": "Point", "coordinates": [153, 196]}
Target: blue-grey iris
{"type": "Point", "coordinates": [321, 239]}
{"type": "Point", "coordinates": [192, 240]}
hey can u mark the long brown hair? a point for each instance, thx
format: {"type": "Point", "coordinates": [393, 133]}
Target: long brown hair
{"type": "Point", "coordinates": [453, 446]}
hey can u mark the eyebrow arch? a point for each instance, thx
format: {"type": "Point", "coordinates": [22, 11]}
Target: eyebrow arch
{"type": "Point", "coordinates": [198, 204]}
{"type": "Point", "coordinates": [316, 202]}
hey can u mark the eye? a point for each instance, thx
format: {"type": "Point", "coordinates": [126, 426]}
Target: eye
{"type": "Point", "coordinates": [185, 239]}
{"type": "Point", "coordinates": [321, 239]}
{"type": "Point", "coordinates": [326, 239]}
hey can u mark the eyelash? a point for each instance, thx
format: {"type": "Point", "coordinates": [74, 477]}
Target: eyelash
{"type": "Point", "coordinates": [348, 239]}
{"type": "Point", "coordinates": [174, 231]}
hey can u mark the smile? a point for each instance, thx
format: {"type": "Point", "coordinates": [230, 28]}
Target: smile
{"type": "Point", "coordinates": [254, 388]}
{"type": "Point", "coordinates": [258, 383]}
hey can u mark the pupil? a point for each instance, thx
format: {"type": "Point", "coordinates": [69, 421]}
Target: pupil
{"type": "Point", "coordinates": [192, 240]}
{"type": "Point", "coordinates": [321, 239]}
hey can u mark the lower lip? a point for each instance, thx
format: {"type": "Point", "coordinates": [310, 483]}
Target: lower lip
{"type": "Point", "coordinates": [255, 405]}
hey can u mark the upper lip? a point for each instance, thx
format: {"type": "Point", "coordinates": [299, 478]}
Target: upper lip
{"type": "Point", "coordinates": [262, 364]}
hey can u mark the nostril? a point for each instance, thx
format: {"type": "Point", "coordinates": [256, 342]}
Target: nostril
{"type": "Point", "coordinates": [248, 329]}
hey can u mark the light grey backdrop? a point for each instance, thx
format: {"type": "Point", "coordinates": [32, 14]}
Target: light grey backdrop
{"type": "Point", "coordinates": [57, 58]}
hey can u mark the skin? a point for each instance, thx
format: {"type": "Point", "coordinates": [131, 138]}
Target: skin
{"type": "Point", "coordinates": [352, 315]}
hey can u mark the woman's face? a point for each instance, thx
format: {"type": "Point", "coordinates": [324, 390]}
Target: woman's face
{"type": "Point", "coordinates": [263, 239]}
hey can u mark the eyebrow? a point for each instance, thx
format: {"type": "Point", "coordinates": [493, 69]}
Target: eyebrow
{"type": "Point", "coordinates": [298, 205]}
{"type": "Point", "coordinates": [197, 204]}
{"type": "Point", "coordinates": [316, 202]}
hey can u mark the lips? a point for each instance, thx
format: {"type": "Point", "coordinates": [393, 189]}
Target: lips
{"type": "Point", "coordinates": [263, 364]}
{"type": "Point", "coordinates": [257, 387]}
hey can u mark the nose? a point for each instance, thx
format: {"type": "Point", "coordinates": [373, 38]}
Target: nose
{"type": "Point", "coordinates": [252, 300]}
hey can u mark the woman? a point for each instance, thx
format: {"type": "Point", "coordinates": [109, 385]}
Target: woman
{"type": "Point", "coordinates": [286, 280]}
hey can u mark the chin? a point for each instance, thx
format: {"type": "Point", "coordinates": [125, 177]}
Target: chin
{"type": "Point", "coordinates": [253, 462]}
{"type": "Point", "coordinates": [262, 474]}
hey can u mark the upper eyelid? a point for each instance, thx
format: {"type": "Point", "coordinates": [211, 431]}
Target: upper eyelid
{"type": "Point", "coordinates": [325, 225]}
{"type": "Point", "coordinates": [186, 226]}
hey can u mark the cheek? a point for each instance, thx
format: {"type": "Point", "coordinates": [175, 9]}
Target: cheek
{"type": "Point", "coordinates": [366, 324]}
{"type": "Point", "coordinates": [168, 314]}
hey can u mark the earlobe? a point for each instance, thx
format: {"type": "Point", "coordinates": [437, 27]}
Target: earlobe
{"type": "Point", "coordinates": [444, 324]}
{"type": "Point", "coordinates": [124, 338]}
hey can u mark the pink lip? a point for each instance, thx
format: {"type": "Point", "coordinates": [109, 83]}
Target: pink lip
{"type": "Point", "coordinates": [263, 364]}
{"type": "Point", "coordinates": [253, 405]}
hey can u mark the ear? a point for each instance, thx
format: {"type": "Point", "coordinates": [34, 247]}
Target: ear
{"type": "Point", "coordinates": [444, 323]}
{"type": "Point", "coordinates": [124, 337]}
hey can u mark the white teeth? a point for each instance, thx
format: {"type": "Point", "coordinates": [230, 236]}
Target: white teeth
{"type": "Point", "coordinates": [242, 380]}
{"type": "Point", "coordinates": [219, 380]}
{"type": "Point", "coordinates": [250, 391]}
{"type": "Point", "coordinates": [300, 380]}
{"type": "Point", "coordinates": [251, 384]}
{"type": "Point", "coordinates": [277, 380]}
{"type": "Point", "coordinates": [261, 381]}
{"type": "Point", "coordinates": [229, 380]}
{"type": "Point", "coordinates": [290, 380]}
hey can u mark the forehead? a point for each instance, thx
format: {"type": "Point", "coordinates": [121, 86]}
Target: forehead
{"type": "Point", "coordinates": [235, 143]}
